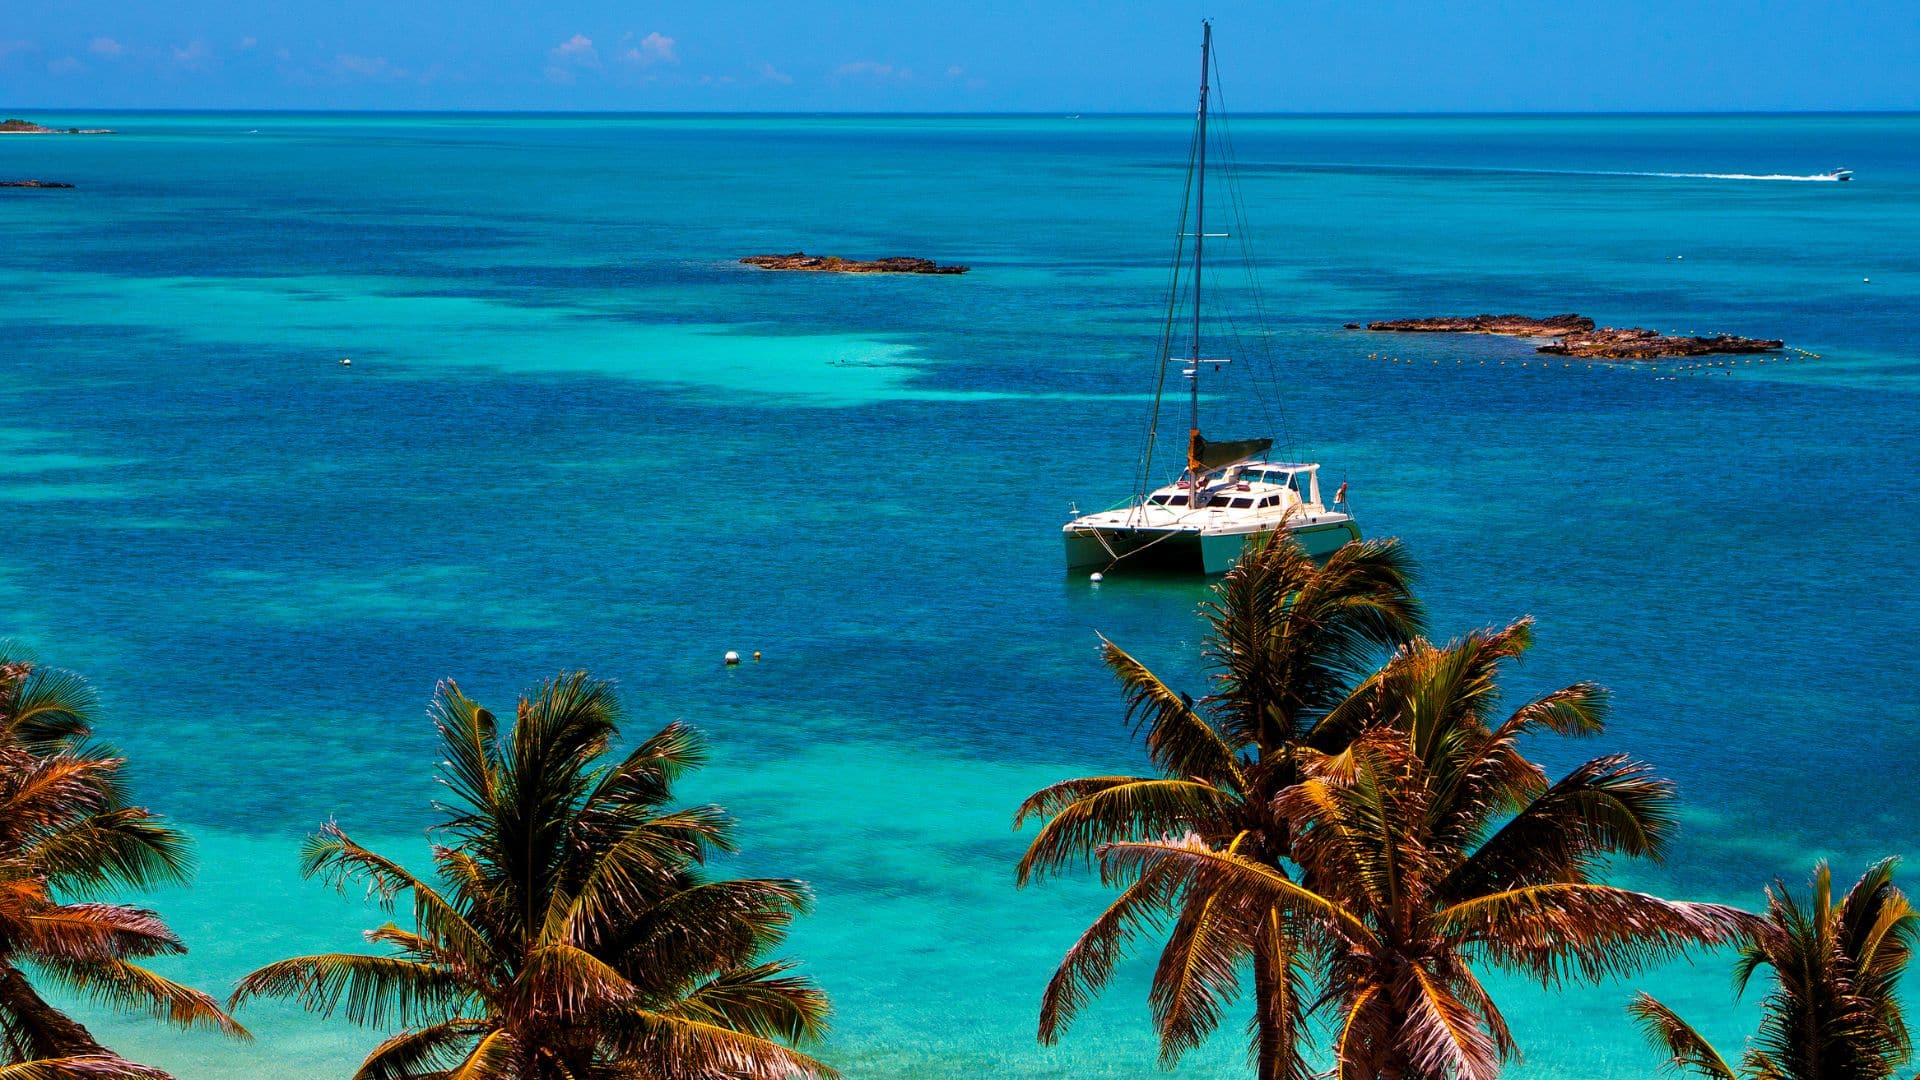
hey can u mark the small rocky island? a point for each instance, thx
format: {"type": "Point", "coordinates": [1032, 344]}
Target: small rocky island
{"type": "Point", "coordinates": [834, 264]}
{"type": "Point", "coordinates": [1576, 335]}
{"type": "Point", "coordinates": [1633, 343]}
{"type": "Point", "coordinates": [17, 126]}
{"type": "Point", "coordinates": [34, 183]}
{"type": "Point", "coordinates": [1505, 325]}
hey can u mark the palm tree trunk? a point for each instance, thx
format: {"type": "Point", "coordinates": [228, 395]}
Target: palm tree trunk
{"type": "Point", "coordinates": [1273, 1013]}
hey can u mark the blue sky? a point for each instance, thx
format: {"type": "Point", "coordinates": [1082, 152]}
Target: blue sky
{"type": "Point", "coordinates": [1043, 55]}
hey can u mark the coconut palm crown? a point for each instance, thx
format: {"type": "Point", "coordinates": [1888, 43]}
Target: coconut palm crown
{"type": "Point", "coordinates": [1833, 1011]}
{"type": "Point", "coordinates": [1428, 845]}
{"type": "Point", "coordinates": [571, 933]}
{"type": "Point", "coordinates": [1288, 639]}
{"type": "Point", "coordinates": [69, 830]}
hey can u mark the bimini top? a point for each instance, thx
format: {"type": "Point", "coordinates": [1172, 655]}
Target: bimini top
{"type": "Point", "coordinates": [1290, 465]}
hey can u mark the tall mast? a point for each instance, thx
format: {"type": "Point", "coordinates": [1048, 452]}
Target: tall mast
{"type": "Point", "coordinates": [1199, 241]}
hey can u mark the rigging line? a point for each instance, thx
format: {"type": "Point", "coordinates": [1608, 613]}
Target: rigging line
{"type": "Point", "coordinates": [1144, 479]}
{"type": "Point", "coordinates": [1274, 399]}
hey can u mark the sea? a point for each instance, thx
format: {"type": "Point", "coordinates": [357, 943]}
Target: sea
{"type": "Point", "coordinates": [577, 433]}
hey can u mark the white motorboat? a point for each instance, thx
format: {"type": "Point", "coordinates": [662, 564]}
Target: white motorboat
{"type": "Point", "coordinates": [1230, 493]}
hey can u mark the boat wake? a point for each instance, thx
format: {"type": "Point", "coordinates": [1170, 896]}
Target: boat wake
{"type": "Point", "coordinates": [1357, 167]}
{"type": "Point", "coordinates": [1821, 178]}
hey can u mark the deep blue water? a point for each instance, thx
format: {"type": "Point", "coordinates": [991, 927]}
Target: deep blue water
{"type": "Point", "coordinates": [577, 434]}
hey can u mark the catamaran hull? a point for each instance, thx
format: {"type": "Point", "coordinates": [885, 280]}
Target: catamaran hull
{"type": "Point", "coordinates": [1189, 550]}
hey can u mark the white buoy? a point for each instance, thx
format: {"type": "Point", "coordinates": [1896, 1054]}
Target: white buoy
{"type": "Point", "coordinates": [346, 361]}
{"type": "Point", "coordinates": [1096, 577]}
{"type": "Point", "coordinates": [1864, 280]}
{"type": "Point", "coordinates": [732, 657]}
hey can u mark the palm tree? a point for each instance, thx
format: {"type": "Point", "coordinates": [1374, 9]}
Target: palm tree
{"type": "Point", "coordinates": [68, 830]}
{"type": "Point", "coordinates": [572, 934]}
{"type": "Point", "coordinates": [1833, 1012]}
{"type": "Point", "coordinates": [1428, 845]}
{"type": "Point", "coordinates": [1287, 640]}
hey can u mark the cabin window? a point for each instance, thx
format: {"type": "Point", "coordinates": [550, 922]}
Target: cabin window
{"type": "Point", "coordinates": [1271, 500]}
{"type": "Point", "coordinates": [1167, 500]}
{"type": "Point", "coordinates": [1241, 504]}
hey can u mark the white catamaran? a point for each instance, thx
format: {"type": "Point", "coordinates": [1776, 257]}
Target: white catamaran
{"type": "Point", "coordinates": [1229, 494]}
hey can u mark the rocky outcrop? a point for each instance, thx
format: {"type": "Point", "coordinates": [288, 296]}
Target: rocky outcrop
{"type": "Point", "coordinates": [1575, 335]}
{"type": "Point", "coordinates": [1508, 325]}
{"type": "Point", "coordinates": [834, 264]}
{"type": "Point", "coordinates": [34, 183]}
{"type": "Point", "coordinates": [1632, 343]}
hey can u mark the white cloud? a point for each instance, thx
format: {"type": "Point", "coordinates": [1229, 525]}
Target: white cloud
{"type": "Point", "coordinates": [66, 65]}
{"type": "Point", "coordinates": [564, 59]}
{"type": "Point", "coordinates": [377, 68]}
{"type": "Point", "coordinates": [192, 56]}
{"type": "Point", "coordinates": [872, 69]}
{"type": "Point", "coordinates": [774, 74]}
{"type": "Point", "coordinates": [106, 46]}
{"type": "Point", "coordinates": [655, 48]}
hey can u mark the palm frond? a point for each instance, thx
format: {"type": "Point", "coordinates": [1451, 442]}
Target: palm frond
{"type": "Point", "coordinates": [645, 777]}
{"type": "Point", "coordinates": [470, 737]}
{"type": "Point", "coordinates": [1179, 740]}
{"type": "Point", "coordinates": [1197, 978]}
{"type": "Point", "coordinates": [1056, 797]}
{"type": "Point", "coordinates": [1557, 930]}
{"type": "Point", "coordinates": [1610, 805]}
{"type": "Point", "coordinates": [1194, 865]}
{"type": "Point", "coordinates": [86, 932]}
{"type": "Point", "coordinates": [43, 708]}
{"type": "Point", "coordinates": [709, 927]}
{"type": "Point", "coordinates": [332, 856]}
{"type": "Point", "coordinates": [1087, 966]}
{"type": "Point", "coordinates": [764, 1000]}
{"type": "Point", "coordinates": [87, 1067]}
{"type": "Point", "coordinates": [127, 847]}
{"type": "Point", "coordinates": [375, 991]}
{"type": "Point", "coordinates": [492, 1058]}
{"type": "Point", "coordinates": [1686, 1049]}
{"type": "Point", "coordinates": [1439, 1035]}
{"type": "Point", "coordinates": [422, 1052]}
{"type": "Point", "coordinates": [120, 984]}
{"type": "Point", "coordinates": [565, 983]}
{"type": "Point", "coordinates": [1119, 812]}
{"type": "Point", "coordinates": [661, 1044]}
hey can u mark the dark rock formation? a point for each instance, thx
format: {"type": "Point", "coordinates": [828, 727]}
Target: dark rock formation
{"type": "Point", "coordinates": [18, 126]}
{"type": "Point", "coordinates": [1509, 325]}
{"type": "Point", "coordinates": [834, 264]}
{"type": "Point", "coordinates": [1351, 326]}
{"type": "Point", "coordinates": [1632, 343]}
{"type": "Point", "coordinates": [34, 183]}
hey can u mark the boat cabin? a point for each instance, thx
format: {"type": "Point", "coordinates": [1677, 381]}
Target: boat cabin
{"type": "Point", "coordinates": [1250, 485]}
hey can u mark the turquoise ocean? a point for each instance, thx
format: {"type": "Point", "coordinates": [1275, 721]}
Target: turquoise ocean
{"type": "Point", "coordinates": [576, 433]}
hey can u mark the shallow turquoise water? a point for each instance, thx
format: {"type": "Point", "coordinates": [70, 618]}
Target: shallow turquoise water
{"type": "Point", "coordinates": [577, 434]}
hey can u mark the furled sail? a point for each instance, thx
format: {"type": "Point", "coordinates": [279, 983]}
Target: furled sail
{"type": "Point", "coordinates": [1203, 456]}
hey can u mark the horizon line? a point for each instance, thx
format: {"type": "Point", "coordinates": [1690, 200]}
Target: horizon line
{"type": "Point", "coordinates": [925, 113]}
